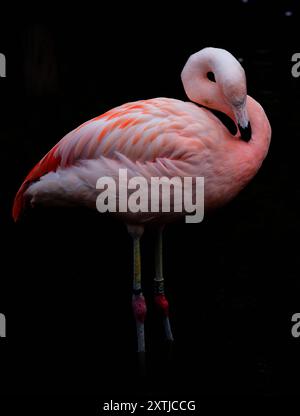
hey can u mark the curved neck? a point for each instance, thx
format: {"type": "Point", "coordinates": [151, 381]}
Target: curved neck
{"type": "Point", "coordinates": [261, 129]}
{"type": "Point", "coordinates": [252, 154]}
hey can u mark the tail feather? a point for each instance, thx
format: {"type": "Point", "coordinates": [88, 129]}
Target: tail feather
{"type": "Point", "coordinates": [49, 163]}
{"type": "Point", "coordinates": [19, 202]}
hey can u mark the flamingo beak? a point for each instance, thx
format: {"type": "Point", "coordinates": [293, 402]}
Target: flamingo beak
{"type": "Point", "coordinates": [243, 123]}
{"type": "Point", "coordinates": [246, 132]}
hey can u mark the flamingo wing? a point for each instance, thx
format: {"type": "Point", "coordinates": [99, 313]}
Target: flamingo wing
{"type": "Point", "coordinates": [141, 132]}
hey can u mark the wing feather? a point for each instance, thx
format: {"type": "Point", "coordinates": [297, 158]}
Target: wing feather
{"type": "Point", "coordinates": [141, 132]}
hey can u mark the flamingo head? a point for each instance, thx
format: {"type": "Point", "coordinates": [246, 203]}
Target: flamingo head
{"type": "Point", "coordinates": [215, 79]}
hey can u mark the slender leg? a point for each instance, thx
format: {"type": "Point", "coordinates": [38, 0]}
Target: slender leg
{"type": "Point", "coordinates": [138, 300]}
{"type": "Point", "coordinates": [159, 289]}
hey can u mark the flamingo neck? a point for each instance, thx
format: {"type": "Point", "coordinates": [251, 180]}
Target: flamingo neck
{"type": "Point", "coordinates": [261, 130]}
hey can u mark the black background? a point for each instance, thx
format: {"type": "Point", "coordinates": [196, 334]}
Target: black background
{"type": "Point", "coordinates": [66, 277]}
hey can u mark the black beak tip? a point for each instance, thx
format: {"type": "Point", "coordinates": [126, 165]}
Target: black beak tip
{"type": "Point", "coordinates": [246, 132]}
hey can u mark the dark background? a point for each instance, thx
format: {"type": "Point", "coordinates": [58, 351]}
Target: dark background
{"type": "Point", "coordinates": [66, 277]}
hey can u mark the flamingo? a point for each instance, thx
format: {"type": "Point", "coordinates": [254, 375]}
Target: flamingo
{"type": "Point", "coordinates": [160, 137]}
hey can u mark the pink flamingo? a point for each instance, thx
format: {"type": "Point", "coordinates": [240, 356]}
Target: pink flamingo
{"type": "Point", "coordinates": [160, 137]}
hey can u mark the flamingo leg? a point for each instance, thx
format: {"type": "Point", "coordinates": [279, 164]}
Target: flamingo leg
{"type": "Point", "coordinates": [159, 289]}
{"type": "Point", "coordinates": [138, 300]}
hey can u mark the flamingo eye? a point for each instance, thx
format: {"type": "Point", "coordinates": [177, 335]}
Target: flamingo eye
{"type": "Point", "coordinates": [211, 76]}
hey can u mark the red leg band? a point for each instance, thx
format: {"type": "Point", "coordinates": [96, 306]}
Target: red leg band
{"type": "Point", "coordinates": [163, 304]}
{"type": "Point", "coordinates": [139, 307]}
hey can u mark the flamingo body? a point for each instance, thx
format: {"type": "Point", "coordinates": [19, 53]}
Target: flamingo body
{"type": "Point", "coordinates": [156, 137]}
